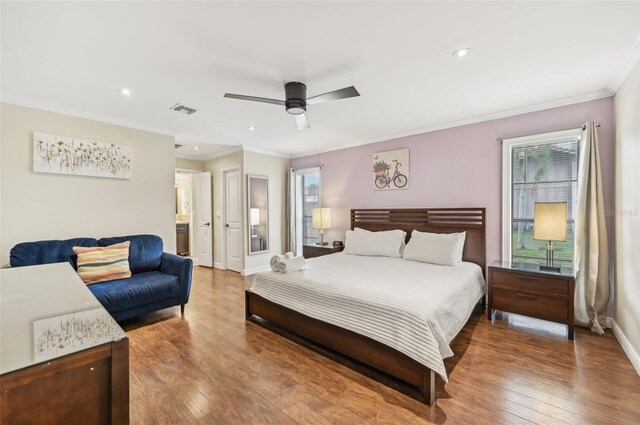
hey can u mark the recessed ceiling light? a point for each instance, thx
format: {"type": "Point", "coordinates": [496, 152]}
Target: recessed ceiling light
{"type": "Point", "coordinates": [195, 148]}
{"type": "Point", "coordinates": [125, 92]}
{"type": "Point", "coordinates": [251, 128]}
{"type": "Point", "coordinates": [460, 53]}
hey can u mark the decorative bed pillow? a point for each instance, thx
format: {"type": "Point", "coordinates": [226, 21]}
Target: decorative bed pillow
{"type": "Point", "coordinates": [376, 244]}
{"type": "Point", "coordinates": [436, 248]}
{"type": "Point", "coordinates": [103, 263]}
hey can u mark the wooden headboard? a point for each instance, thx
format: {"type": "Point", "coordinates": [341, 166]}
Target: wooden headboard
{"type": "Point", "coordinates": [435, 220]}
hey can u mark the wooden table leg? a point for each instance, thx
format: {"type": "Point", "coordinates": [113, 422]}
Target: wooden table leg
{"type": "Point", "coordinates": [120, 382]}
{"type": "Point", "coordinates": [570, 331]}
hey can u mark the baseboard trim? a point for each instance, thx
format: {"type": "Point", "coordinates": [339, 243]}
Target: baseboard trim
{"type": "Point", "coordinates": [218, 266]}
{"type": "Point", "coordinates": [626, 346]}
{"type": "Point", "coordinates": [249, 272]}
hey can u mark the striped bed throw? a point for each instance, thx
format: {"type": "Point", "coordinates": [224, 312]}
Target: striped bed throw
{"type": "Point", "coordinates": [101, 264]}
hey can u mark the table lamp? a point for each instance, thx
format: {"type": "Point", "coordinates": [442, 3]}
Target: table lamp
{"type": "Point", "coordinates": [254, 220]}
{"type": "Point", "coordinates": [321, 219]}
{"type": "Point", "coordinates": [550, 224]}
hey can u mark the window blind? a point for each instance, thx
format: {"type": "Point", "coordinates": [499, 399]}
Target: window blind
{"type": "Point", "coordinates": [542, 173]}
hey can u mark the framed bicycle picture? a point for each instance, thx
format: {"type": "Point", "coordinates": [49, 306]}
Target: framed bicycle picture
{"type": "Point", "coordinates": [391, 170]}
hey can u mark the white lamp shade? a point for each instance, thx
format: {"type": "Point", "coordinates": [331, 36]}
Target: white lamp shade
{"type": "Point", "coordinates": [255, 216]}
{"type": "Point", "coordinates": [321, 218]}
{"type": "Point", "coordinates": [550, 221]}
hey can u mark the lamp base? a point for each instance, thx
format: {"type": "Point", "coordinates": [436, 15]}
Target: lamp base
{"type": "Point", "coordinates": [322, 242]}
{"type": "Point", "coordinates": [550, 268]}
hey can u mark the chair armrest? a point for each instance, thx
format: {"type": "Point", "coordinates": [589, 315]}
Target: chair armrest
{"type": "Point", "coordinates": [181, 267]}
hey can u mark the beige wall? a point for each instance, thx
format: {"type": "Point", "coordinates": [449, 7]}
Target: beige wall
{"type": "Point", "coordinates": [190, 164]}
{"type": "Point", "coordinates": [38, 206]}
{"type": "Point", "coordinates": [250, 163]}
{"type": "Point", "coordinates": [276, 169]}
{"type": "Point", "coordinates": [216, 166]}
{"type": "Point", "coordinates": [627, 267]}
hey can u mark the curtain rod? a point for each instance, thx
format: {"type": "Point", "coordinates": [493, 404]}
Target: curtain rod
{"type": "Point", "coordinates": [321, 166]}
{"type": "Point", "coordinates": [584, 127]}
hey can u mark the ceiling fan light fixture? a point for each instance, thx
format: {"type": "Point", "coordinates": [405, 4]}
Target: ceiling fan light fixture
{"type": "Point", "coordinates": [296, 100]}
{"type": "Point", "coordinates": [296, 110]}
{"type": "Point", "coordinates": [460, 53]}
{"type": "Point", "coordinates": [296, 95]}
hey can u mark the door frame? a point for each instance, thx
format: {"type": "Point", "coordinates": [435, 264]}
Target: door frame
{"type": "Point", "coordinates": [224, 171]}
{"type": "Point", "coordinates": [191, 172]}
{"type": "Point", "coordinates": [294, 201]}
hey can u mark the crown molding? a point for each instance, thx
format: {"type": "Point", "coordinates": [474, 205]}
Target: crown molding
{"type": "Point", "coordinates": [600, 94]}
{"type": "Point", "coordinates": [222, 153]}
{"type": "Point", "coordinates": [629, 63]}
{"type": "Point", "coordinates": [627, 66]}
{"type": "Point", "coordinates": [178, 155]}
{"type": "Point", "coordinates": [204, 157]}
{"type": "Point", "coordinates": [45, 106]}
{"type": "Point", "coordinates": [231, 150]}
{"type": "Point", "coordinates": [265, 152]}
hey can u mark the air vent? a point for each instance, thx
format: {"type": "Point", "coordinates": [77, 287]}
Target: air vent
{"type": "Point", "coordinates": [183, 109]}
{"type": "Point", "coordinates": [177, 146]}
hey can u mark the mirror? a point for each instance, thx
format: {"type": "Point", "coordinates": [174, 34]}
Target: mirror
{"type": "Point", "coordinates": [258, 213]}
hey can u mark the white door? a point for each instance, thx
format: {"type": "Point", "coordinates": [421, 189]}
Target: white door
{"type": "Point", "coordinates": [203, 219]}
{"type": "Point", "coordinates": [233, 219]}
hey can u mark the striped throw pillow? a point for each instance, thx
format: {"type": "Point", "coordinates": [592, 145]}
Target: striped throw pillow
{"type": "Point", "coordinates": [101, 264]}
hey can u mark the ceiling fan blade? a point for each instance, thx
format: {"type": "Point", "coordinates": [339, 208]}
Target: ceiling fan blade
{"type": "Point", "coordinates": [344, 93]}
{"type": "Point", "coordinates": [255, 99]}
{"type": "Point", "coordinates": [302, 122]}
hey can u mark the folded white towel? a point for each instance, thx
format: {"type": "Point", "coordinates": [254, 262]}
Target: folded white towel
{"type": "Point", "coordinates": [289, 265]}
{"type": "Point", "coordinates": [277, 259]}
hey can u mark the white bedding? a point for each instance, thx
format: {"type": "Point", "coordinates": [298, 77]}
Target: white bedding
{"type": "Point", "coordinates": [416, 308]}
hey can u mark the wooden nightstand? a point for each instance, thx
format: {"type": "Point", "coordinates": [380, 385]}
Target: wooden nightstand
{"type": "Point", "coordinates": [311, 251]}
{"type": "Point", "coordinates": [525, 289]}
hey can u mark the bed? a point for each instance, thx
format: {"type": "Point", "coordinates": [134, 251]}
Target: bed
{"type": "Point", "coordinates": [388, 318]}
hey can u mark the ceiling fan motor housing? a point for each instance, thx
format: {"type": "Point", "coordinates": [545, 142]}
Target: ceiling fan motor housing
{"type": "Point", "coordinates": [296, 95]}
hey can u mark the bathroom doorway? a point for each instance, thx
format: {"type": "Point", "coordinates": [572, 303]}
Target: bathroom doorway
{"type": "Point", "coordinates": [184, 214]}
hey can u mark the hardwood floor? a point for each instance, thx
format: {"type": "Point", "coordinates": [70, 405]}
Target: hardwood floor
{"type": "Point", "coordinates": [212, 367]}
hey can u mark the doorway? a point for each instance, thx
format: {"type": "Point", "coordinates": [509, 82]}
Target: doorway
{"type": "Point", "coordinates": [194, 230]}
{"type": "Point", "coordinates": [184, 213]}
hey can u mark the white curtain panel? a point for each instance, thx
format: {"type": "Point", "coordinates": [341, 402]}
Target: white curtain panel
{"type": "Point", "coordinates": [291, 212]}
{"type": "Point", "coordinates": [591, 247]}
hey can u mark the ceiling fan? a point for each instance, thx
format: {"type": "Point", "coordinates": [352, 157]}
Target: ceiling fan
{"type": "Point", "coordinates": [296, 100]}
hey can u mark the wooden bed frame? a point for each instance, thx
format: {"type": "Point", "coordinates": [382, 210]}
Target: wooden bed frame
{"type": "Point", "coordinates": [363, 354]}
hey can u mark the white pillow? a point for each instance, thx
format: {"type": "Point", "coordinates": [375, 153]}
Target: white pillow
{"type": "Point", "coordinates": [376, 244]}
{"type": "Point", "coordinates": [436, 248]}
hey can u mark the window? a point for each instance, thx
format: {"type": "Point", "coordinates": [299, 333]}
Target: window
{"type": "Point", "coordinates": [310, 200]}
{"type": "Point", "coordinates": [307, 197]}
{"type": "Point", "coordinates": [541, 168]}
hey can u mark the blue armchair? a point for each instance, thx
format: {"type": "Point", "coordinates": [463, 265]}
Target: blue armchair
{"type": "Point", "coordinates": [159, 279]}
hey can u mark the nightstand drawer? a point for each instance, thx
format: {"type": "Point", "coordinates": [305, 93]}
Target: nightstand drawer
{"type": "Point", "coordinates": [544, 307]}
{"type": "Point", "coordinates": [530, 282]}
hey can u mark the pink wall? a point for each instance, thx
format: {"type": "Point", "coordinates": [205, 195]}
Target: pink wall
{"type": "Point", "coordinates": [456, 167]}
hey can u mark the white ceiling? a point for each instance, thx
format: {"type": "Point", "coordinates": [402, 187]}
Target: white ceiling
{"type": "Point", "coordinates": [73, 58]}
